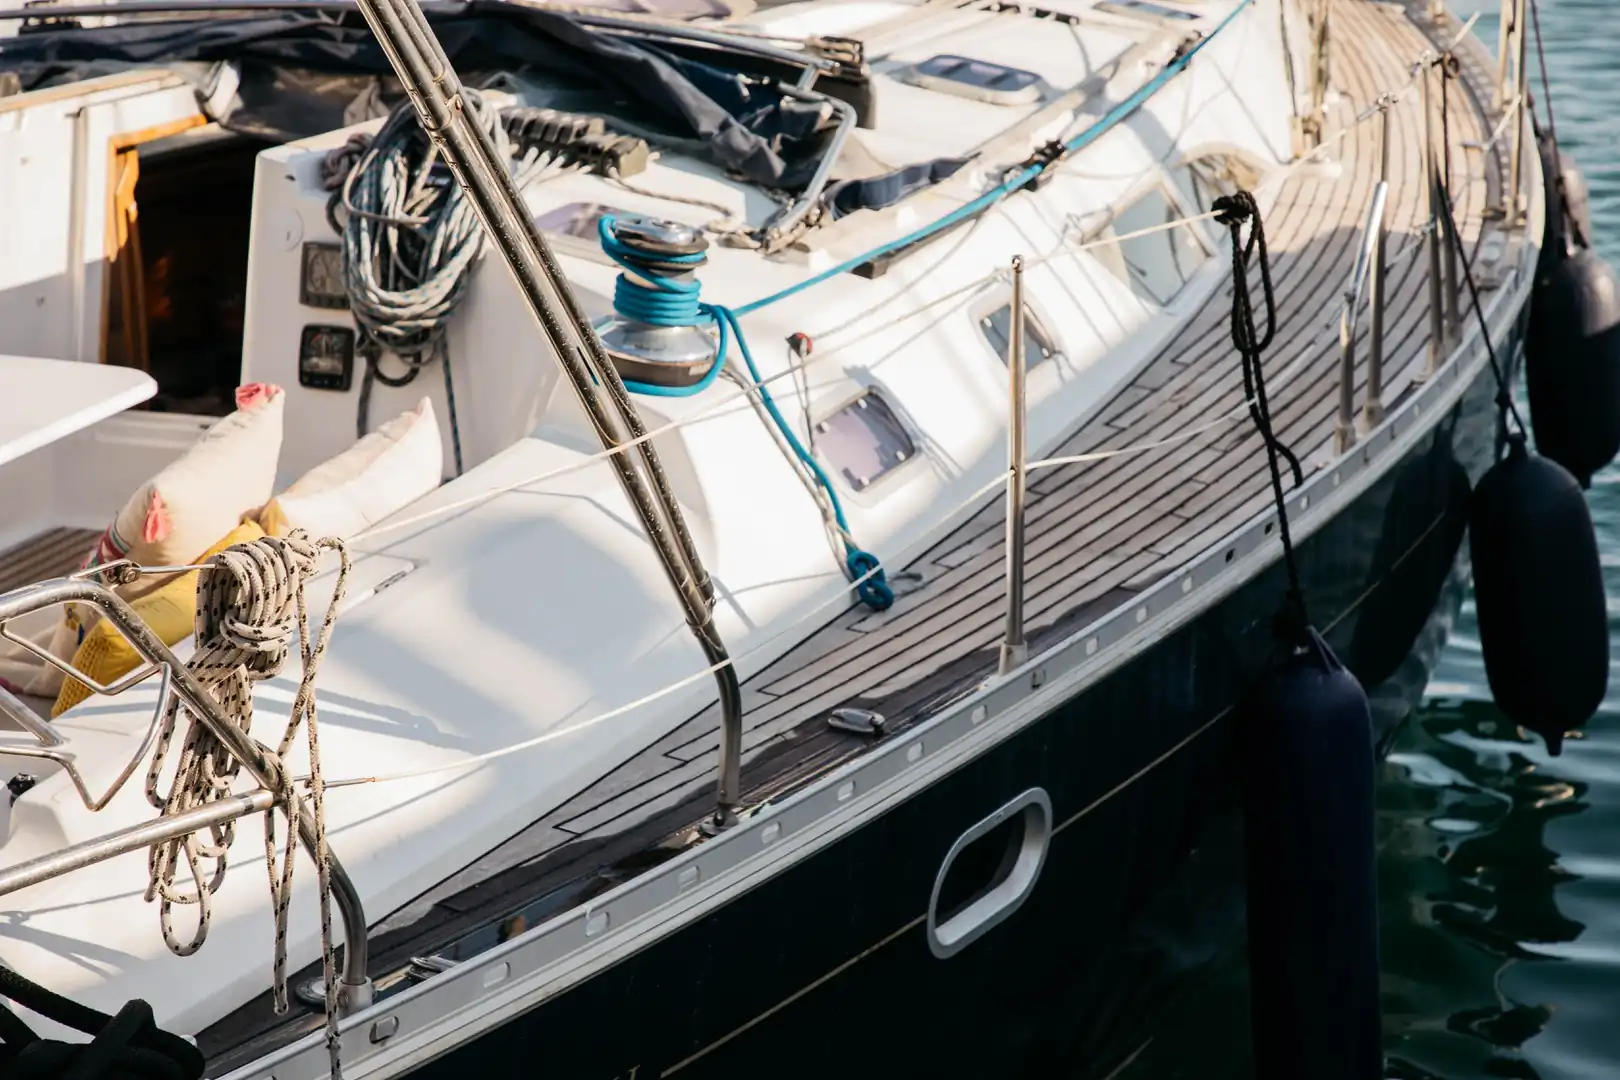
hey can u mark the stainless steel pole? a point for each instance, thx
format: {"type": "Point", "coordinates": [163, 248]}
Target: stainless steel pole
{"type": "Point", "coordinates": [1504, 49]}
{"type": "Point", "coordinates": [1521, 87]}
{"type": "Point", "coordinates": [1366, 255]}
{"type": "Point", "coordinates": [1372, 409]}
{"type": "Point", "coordinates": [1014, 650]}
{"type": "Point", "coordinates": [435, 91]}
{"type": "Point", "coordinates": [1452, 279]}
{"type": "Point", "coordinates": [1437, 337]}
{"type": "Point", "coordinates": [144, 835]}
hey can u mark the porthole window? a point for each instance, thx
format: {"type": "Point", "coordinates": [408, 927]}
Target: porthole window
{"type": "Point", "coordinates": [1155, 264]}
{"type": "Point", "coordinates": [578, 219]}
{"type": "Point", "coordinates": [979, 80]}
{"type": "Point", "coordinates": [997, 330]}
{"type": "Point", "coordinates": [864, 441]}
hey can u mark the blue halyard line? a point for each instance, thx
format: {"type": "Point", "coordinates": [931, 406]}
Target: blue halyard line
{"type": "Point", "coordinates": [666, 302]}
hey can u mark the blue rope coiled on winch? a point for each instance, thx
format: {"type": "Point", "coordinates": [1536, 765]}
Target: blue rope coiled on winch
{"type": "Point", "coordinates": [666, 301]}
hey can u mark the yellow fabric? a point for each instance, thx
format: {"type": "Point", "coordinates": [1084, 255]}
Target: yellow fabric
{"type": "Point", "coordinates": [272, 520]}
{"type": "Point", "coordinates": [171, 612]}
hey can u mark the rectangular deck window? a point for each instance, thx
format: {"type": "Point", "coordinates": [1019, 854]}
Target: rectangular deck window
{"type": "Point", "coordinates": [864, 441]}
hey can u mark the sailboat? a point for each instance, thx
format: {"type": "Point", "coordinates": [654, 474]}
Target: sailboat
{"type": "Point", "coordinates": [794, 616]}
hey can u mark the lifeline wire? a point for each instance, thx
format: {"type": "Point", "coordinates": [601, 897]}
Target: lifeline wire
{"type": "Point", "coordinates": [927, 540]}
{"type": "Point", "coordinates": [1064, 251]}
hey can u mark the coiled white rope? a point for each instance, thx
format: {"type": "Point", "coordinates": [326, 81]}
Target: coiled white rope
{"type": "Point", "coordinates": [410, 236]}
{"type": "Point", "coordinates": [250, 602]}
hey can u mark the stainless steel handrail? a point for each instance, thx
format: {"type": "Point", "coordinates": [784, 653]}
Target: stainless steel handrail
{"type": "Point", "coordinates": [51, 741]}
{"type": "Point", "coordinates": [1372, 407]}
{"type": "Point", "coordinates": [133, 838]}
{"type": "Point", "coordinates": [1345, 431]}
{"type": "Point", "coordinates": [784, 219]}
{"type": "Point", "coordinates": [355, 985]}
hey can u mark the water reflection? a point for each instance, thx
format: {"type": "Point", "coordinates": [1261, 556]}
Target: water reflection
{"type": "Point", "coordinates": [1499, 867]}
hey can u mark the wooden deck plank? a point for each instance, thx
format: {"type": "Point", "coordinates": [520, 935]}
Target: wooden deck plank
{"type": "Point", "coordinates": [49, 554]}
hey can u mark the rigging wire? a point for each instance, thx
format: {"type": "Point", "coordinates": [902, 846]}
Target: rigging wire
{"type": "Point", "coordinates": [931, 536]}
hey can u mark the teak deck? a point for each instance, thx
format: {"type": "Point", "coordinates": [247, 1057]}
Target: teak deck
{"type": "Point", "coordinates": [1097, 533]}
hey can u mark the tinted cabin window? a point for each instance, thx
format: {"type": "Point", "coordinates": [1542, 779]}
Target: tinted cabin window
{"type": "Point", "coordinates": [978, 80]}
{"type": "Point", "coordinates": [864, 440]}
{"type": "Point", "coordinates": [997, 329]}
{"type": "Point", "coordinates": [1158, 263]}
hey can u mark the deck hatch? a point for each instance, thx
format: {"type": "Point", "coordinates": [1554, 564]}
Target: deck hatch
{"type": "Point", "coordinates": [996, 327]}
{"type": "Point", "coordinates": [577, 219]}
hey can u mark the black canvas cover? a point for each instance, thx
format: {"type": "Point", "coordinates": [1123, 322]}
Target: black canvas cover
{"type": "Point", "coordinates": [302, 71]}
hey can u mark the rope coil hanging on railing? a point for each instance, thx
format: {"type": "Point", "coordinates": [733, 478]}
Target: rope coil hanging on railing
{"type": "Point", "coordinates": [250, 602]}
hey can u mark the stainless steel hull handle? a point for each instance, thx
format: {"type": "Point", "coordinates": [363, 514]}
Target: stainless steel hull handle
{"type": "Point", "coordinates": [1022, 856]}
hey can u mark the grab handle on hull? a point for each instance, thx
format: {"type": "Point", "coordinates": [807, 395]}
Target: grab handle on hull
{"type": "Point", "coordinates": [1016, 856]}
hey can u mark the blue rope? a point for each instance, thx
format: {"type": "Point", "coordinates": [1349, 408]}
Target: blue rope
{"type": "Point", "coordinates": [669, 302]}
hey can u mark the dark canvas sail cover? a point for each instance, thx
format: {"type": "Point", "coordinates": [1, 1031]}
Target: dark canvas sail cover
{"type": "Point", "coordinates": [301, 73]}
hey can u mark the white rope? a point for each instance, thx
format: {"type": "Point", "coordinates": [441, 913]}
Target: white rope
{"type": "Point", "coordinates": [250, 601]}
{"type": "Point", "coordinates": [933, 536]}
{"type": "Point", "coordinates": [835, 597]}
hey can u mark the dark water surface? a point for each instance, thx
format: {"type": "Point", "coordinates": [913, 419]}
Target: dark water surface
{"type": "Point", "coordinates": [1499, 867]}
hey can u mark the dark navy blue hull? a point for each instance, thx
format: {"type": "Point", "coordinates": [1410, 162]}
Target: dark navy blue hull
{"type": "Point", "coordinates": [824, 970]}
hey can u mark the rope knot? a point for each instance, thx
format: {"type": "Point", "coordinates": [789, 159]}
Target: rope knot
{"type": "Point", "coordinates": [875, 591]}
{"type": "Point", "coordinates": [1233, 210]}
{"type": "Point", "coordinates": [250, 606]}
{"type": "Point", "coordinates": [247, 603]}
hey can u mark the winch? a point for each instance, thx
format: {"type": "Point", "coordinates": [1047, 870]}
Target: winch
{"type": "Point", "coordinates": [660, 334]}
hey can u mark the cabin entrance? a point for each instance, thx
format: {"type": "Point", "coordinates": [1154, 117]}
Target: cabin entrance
{"type": "Point", "coordinates": [179, 216]}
